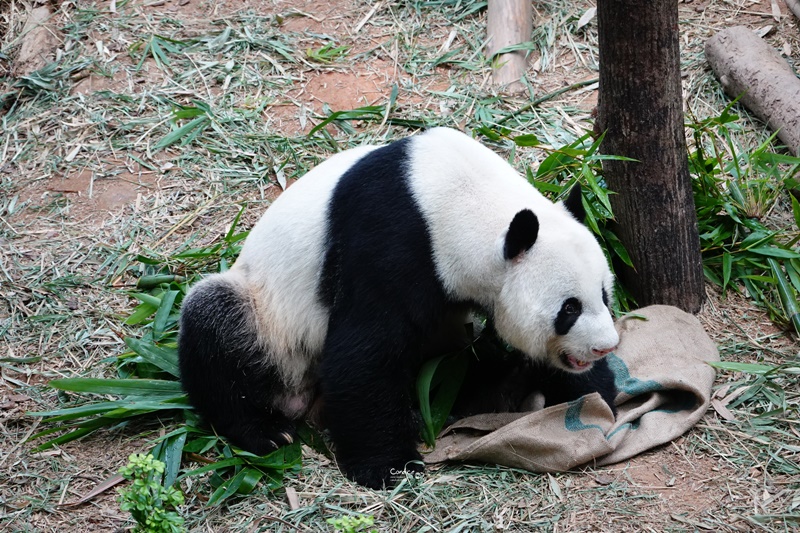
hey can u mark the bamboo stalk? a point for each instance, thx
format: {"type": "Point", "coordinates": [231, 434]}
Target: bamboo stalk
{"type": "Point", "coordinates": [508, 23]}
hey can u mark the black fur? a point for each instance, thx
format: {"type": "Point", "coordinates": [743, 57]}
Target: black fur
{"type": "Point", "coordinates": [570, 310]}
{"type": "Point", "coordinates": [559, 386]}
{"type": "Point", "coordinates": [502, 382]}
{"type": "Point", "coordinates": [522, 233]}
{"type": "Point", "coordinates": [224, 372]}
{"type": "Point", "coordinates": [574, 203]}
{"type": "Point", "coordinates": [379, 281]}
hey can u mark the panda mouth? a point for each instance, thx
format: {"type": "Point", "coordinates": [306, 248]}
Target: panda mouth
{"type": "Point", "coordinates": [574, 363]}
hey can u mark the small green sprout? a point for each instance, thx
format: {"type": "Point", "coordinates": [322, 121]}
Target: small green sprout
{"type": "Point", "coordinates": [352, 524]}
{"type": "Point", "coordinates": [152, 505]}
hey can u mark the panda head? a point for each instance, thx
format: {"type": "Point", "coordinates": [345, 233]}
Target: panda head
{"type": "Point", "coordinates": [557, 288]}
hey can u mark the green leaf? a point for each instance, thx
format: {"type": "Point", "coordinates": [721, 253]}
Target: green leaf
{"type": "Point", "coordinates": [247, 477]}
{"type": "Point", "coordinates": [787, 295]}
{"type": "Point", "coordinates": [195, 126]}
{"type": "Point", "coordinates": [727, 262]}
{"type": "Point", "coordinates": [772, 251]}
{"type": "Point", "coordinates": [68, 437]}
{"type": "Point", "coordinates": [424, 381]}
{"type": "Point", "coordinates": [454, 369]}
{"type": "Point", "coordinates": [218, 465]}
{"type": "Point", "coordinates": [527, 46]}
{"type": "Point", "coordinates": [154, 388]}
{"type": "Point", "coordinates": [619, 249]}
{"type": "Point", "coordinates": [189, 112]}
{"type": "Point", "coordinates": [794, 277]}
{"type": "Point", "coordinates": [165, 359]}
{"type": "Point", "coordinates": [163, 314]}
{"type": "Point", "coordinates": [795, 210]}
{"type": "Point", "coordinates": [526, 140]}
{"type": "Point", "coordinates": [120, 406]}
{"type": "Point", "coordinates": [169, 451]}
{"type": "Point", "coordinates": [231, 237]}
{"type": "Point", "coordinates": [142, 312]}
{"type": "Point", "coordinates": [448, 372]}
{"type": "Point", "coordinates": [747, 368]}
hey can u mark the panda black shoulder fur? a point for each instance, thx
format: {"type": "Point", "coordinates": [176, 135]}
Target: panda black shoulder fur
{"type": "Point", "coordinates": [361, 264]}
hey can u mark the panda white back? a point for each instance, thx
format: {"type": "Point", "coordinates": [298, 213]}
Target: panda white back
{"type": "Point", "coordinates": [469, 195]}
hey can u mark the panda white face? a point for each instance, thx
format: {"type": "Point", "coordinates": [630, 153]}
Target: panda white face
{"type": "Point", "coordinates": [554, 304]}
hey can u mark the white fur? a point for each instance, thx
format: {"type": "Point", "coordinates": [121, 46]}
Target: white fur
{"type": "Point", "coordinates": [468, 195]}
{"type": "Point", "coordinates": [281, 263]}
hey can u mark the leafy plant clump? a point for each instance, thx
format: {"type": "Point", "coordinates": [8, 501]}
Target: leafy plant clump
{"type": "Point", "coordinates": [152, 505]}
{"type": "Point", "coordinates": [735, 192]}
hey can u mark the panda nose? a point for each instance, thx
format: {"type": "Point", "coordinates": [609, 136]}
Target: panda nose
{"type": "Point", "coordinates": [602, 352]}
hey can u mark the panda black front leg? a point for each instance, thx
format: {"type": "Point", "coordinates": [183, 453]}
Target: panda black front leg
{"type": "Point", "coordinates": [559, 386]}
{"type": "Point", "coordinates": [366, 380]}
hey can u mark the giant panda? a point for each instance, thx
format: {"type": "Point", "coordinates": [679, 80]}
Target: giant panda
{"type": "Point", "coordinates": [364, 264]}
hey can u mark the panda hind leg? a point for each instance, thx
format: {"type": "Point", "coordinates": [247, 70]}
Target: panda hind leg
{"type": "Point", "coordinates": [226, 373]}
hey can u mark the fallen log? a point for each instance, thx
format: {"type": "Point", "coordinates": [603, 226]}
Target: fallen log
{"type": "Point", "coordinates": [794, 6]}
{"type": "Point", "coordinates": [508, 22]}
{"type": "Point", "coordinates": [749, 67]}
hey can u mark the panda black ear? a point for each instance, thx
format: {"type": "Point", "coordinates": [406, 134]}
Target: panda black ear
{"type": "Point", "coordinates": [574, 203]}
{"type": "Point", "coordinates": [522, 233]}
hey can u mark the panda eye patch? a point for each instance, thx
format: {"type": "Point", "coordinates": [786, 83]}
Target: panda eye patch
{"type": "Point", "coordinates": [570, 310]}
{"type": "Point", "coordinates": [572, 306]}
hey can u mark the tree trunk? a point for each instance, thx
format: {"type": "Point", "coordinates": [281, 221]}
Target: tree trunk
{"type": "Point", "coordinates": [640, 109]}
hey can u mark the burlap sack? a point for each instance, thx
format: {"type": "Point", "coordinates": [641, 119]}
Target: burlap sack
{"type": "Point", "coordinates": [665, 387]}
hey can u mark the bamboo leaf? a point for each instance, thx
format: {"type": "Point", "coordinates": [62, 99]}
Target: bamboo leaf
{"type": "Point", "coordinates": [150, 388]}
{"type": "Point", "coordinates": [160, 322]}
{"type": "Point", "coordinates": [83, 411]}
{"type": "Point", "coordinates": [526, 140]}
{"type": "Point", "coordinates": [233, 485]}
{"type": "Point", "coordinates": [142, 312]}
{"type": "Point", "coordinates": [424, 381]}
{"type": "Point", "coordinates": [224, 463]}
{"type": "Point", "coordinates": [169, 451]}
{"type": "Point", "coordinates": [748, 368]}
{"type": "Point", "coordinates": [772, 251]}
{"type": "Point", "coordinates": [165, 359]}
{"type": "Point", "coordinates": [454, 369]}
{"type": "Point", "coordinates": [176, 135]}
{"type": "Point", "coordinates": [795, 210]}
{"type": "Point", "coordinates": [787, 295]}
{"type": "Point", "coordinates": [727, 262]}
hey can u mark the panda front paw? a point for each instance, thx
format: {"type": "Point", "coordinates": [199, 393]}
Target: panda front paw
{"type": "Point", "coordinates": [382, 475]}
{"type": "Point", "coordinates": [260, 440]}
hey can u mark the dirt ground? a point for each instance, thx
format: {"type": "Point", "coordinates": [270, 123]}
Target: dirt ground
{"type": "Point", "coordinates": [73, 201]}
